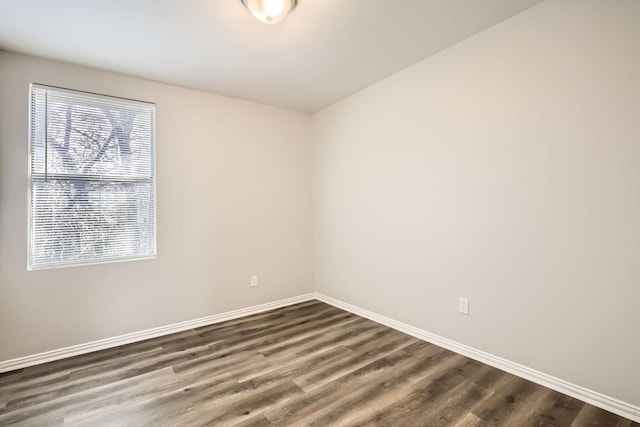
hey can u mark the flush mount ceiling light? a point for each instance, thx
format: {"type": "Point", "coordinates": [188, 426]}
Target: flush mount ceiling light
{"type": "Point", "coordinates": [270, 11]}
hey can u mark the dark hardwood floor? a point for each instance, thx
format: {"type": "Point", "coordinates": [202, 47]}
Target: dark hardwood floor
{"type": "Point", "coordinates": [307, 364]}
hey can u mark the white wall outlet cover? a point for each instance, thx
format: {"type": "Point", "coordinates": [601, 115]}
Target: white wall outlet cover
{"type": "Point", "coordinates": [463, 306]}
{"type": "Point", "coordinates": [254, 281]}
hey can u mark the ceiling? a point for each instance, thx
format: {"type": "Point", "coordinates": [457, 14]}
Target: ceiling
{"type": "Point", "coordinates": [322, 52]}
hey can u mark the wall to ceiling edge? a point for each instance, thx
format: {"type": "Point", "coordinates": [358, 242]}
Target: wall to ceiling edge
{"type": "Point", "coordinates": [233, 200]}
{"type": "Point", "coordinates": [504, 169]}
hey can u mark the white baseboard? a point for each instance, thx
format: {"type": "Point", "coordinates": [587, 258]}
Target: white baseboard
{"type": "Point", "coordinates": [49, 356]}
{"type": "Point", "coordinates": [594, 398]}
{"type": "Point", "coordinates": [597, 399]}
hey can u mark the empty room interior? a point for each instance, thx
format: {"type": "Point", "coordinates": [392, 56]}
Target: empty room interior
{"type": "Point", "coordinates": [320, 212]}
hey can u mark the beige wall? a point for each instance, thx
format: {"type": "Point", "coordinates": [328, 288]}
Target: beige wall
{"type": "Point", "coordinates": [233, 199]}
{"type": "Point", "coordinates": [505, 169]}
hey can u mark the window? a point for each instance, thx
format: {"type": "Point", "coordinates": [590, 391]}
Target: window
{"type": "Point", "coordinates": [92, 178]}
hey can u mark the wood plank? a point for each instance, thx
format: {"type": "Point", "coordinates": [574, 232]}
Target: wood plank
{"type": "Point", "coordinates": [590, 416]}
{"type": "Point", "coordinates": [505, 400]}
{"type": "Point", "coordinates": [470, 420]}
{"type": "Point", "coordinates": [425, 397]}
{"type": "Point", "coordinates": [397, 368]}
{"type": "Point", "coordinates": [557, 409]}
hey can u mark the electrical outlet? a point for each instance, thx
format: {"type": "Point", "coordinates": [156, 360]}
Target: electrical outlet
{"type": "Point", "coordinates": [463, 306]}
{"type": "Point", "coordinates": [254, 281]}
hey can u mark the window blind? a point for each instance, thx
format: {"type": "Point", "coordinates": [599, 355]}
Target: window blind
{"type": "Point", "coordinates": [92, 178]}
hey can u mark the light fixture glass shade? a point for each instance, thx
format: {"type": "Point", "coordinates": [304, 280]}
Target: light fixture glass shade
{"type": "Point", "coordinates": [270, 11]}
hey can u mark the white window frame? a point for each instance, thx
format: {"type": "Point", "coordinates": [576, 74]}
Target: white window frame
{"type": "Point", "coordinates": [38, 176]}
